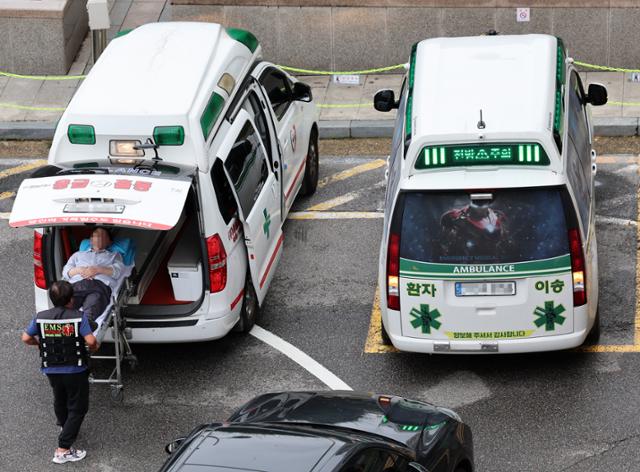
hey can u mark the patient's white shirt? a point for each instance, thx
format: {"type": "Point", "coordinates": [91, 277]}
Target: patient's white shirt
{"type": "Point", "coordinates": [102, 258]}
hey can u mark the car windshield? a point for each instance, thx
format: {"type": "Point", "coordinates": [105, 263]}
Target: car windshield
{"type": "Point", "coordinates": [511, 225]}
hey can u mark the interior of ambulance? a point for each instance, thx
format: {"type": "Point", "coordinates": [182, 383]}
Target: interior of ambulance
{"type": "Point", "coordinates": [167, 278]}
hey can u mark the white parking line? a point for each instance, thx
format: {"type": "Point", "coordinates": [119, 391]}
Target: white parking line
{"type": "Point", "coordinates": [4, 216]}
{"type": "Point", "coordinates": [334, 215]}
{"type": "Point", "coordinates": [615, 221]}
{"type": "Point", "coordinates": [296, 355]}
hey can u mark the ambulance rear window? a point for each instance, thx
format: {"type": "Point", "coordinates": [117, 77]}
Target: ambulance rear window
{"type": "Point", "coordinates": [494, 227]}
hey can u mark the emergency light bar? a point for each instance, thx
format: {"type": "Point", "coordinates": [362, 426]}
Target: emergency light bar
{"type": "Point", "coordinates": [528, 154]}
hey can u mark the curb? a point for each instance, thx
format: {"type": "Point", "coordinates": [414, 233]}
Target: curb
{"type": "Point", "coordinates": [339, 129]}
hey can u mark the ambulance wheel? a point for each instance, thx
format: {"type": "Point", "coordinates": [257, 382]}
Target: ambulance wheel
{"type": "Point", "coordinates": [250, 309]}
{"type": "Point", "coordinates": [386, 340]}
{"type": "Point", "coordinates": [310, 180]}
{"type": "Point", "coordinates": [594, 335]}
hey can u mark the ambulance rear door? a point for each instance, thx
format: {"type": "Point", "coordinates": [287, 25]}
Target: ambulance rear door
{"type": "Point", "coordinates": [135, 201]}
{"type": "Point", "coordinates": [489, 265]}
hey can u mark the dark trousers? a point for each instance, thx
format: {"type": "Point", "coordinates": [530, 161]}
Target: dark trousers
{"type": "Point", "coordinates": [92, 296]}
{"type": "Point", "coordinates": [70, 403]}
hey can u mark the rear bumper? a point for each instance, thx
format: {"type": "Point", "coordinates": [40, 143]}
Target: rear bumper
{"type": "Point", "coordinates": [203, 330]}
{"type": "Point", "coordinates": [509, 346]}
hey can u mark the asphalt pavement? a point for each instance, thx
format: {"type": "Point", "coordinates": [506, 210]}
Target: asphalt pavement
{"type": "Point", "coordinates": [563, 411]}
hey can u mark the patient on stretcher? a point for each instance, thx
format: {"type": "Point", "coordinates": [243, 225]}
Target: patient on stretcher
{"type": "Point", "coordinates": [94, 271]}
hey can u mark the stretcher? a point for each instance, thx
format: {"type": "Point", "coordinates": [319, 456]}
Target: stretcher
{"type": "Point", "coordinates": [112, 320]}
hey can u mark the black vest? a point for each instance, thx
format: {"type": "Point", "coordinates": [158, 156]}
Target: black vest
{"type": "Point", "coordinates": [60, 341]}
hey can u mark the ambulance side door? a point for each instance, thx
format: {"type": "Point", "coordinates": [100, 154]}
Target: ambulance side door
{"type": "Point", "coordinates": [579, 171]}
{"type": "Point", "coordinates": [289, 120]}
{"type": "Point", "coordinates": [257, 192]}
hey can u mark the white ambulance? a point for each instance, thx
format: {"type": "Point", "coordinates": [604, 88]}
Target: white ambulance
{"type": "Point", "coordinates": [489, 241]}
{"type": "Point", "coordinates": [191, 150]}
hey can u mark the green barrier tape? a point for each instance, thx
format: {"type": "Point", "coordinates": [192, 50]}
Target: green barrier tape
{"type": "Point", "coordinates": [607, 68]}
{"type": "Point", "coordinates": [308, 71]}
{"type": "Point", "coordinates": [343, 105]}
{"type": "Point", "coordinates": [625, 104]}
{"type": "Point", "coordinates": [24, 107]}
{"type": "Point", "coordinates": [42, 77]}
{"type": "Point", "coordinates": [349, 72]}
{"type": "Point", "coordinates": [320, 105]}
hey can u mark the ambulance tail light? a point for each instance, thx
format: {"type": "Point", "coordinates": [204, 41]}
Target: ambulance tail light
{"type": "Point", "coordinates": [393, 272]}
{"type": "Point", "coordinates": [217, 257]}
{"type": "Point", "coordinates": [577, 268]}
{"type": "Point", "coordinates": [38, 269]}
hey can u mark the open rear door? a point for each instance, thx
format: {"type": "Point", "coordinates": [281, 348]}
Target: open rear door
{"type": "Point", "coordinates": [133, 201]}
{"type": "Point", "coordinates": [257, 192]}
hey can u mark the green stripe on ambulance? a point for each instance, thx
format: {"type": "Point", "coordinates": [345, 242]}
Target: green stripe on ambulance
{"type": "Point", "coordinates": [426, 270]}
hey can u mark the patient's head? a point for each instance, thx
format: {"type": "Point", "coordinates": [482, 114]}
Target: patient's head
{"type": "Point", "coordinates": [61, 293]}
{"type": "Point", "coordinates": [100, 239]}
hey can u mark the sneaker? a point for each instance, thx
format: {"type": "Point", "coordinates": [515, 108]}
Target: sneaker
{"type": "Point", "coordinates": [72, 455]}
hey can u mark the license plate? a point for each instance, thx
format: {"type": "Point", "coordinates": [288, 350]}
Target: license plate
{"type": "Point", "coordinates": [480, 289]}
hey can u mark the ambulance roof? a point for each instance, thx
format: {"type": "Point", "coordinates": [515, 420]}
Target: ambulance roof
{"type": "Point", "coordinates": [153, 70]}
{"type": "Point", "coordinates": [510, 78]}
{"type": "Point", "coordinates": [159, 74]}
{"type": "Point", "coordinates": [156, 69]}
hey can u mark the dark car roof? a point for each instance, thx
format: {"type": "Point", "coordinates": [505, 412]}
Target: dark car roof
{"type": "Point", "coordinates": [391, 417]}
{"type": "Point", "coordinates": [258, 447]}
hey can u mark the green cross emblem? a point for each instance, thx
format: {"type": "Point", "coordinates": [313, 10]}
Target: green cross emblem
{"type": "Point", "coordinates": [267, 222]}
{"type": "Point", "coordinates": [425, 318]}
{"type": "Point", "coordinates": [549, 316]}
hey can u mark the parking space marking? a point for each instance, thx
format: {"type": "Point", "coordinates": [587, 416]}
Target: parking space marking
{"type": "Point", "coordinates": [5, 195]}
{"type": "Point", "coordinates": [636, 337]}
{"type": "Point", "coordinates": [334, 215]}
{"type": "Point", "coordinates": [615, 221]}
{"type": "Point", "coordinates": [342, 199]}
{"type": "Point", "coordinates": [617, 159]}
{"type": "Point", "coordinates": [4, 216]}
{"type": "Point", "coordinates": [374, 337]}
{"type": "Point", "coordinates": [345, 174]}
{"type": "Point", "coordinates": [22, 168]}
{"type": "Point", "coordinates": [296, 355]}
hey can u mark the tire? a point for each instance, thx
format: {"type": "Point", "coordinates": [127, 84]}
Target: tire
{"type": "Point", "coordinates": [250, 309]}
{"type": "Point", "coordinates": [594, 335]}
{"type": "Point", "coordinates": [310, 180]}
{"type": "Point", "coordinates": [386, 340]}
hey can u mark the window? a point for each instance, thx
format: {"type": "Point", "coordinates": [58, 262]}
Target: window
{"type": "Point", "coordinates": [224, 195]}
{"type": "Point", "coordinates": [278, 90]}
{"type": "Point", "coordinates": [579, 150]}
{"type": "Point", "coordinates": [376, 460]}
{"type": "Point", "coordinates": [247, 168]}
{"type": "Point", "coordinates": [254, 107]}
{"type": "Point", "coordinates": [514, 225]}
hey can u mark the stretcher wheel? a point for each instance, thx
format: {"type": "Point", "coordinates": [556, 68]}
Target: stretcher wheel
{"type": "Point", "coordinates": [117, 393]}
{"type": "Point", "coordinates": [133, 364]}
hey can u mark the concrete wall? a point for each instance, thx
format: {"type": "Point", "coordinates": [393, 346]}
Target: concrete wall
{"type": "Point", "coordinates": [353, 37]}
{"type": "Point", "coordinates": [41, 37]}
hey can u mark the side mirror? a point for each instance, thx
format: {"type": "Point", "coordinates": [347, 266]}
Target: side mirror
{"type": "Point", "coordinates": [173, 445]}
{"type": "Point", "coordinates": [385, 100]}
{"type": "Point", "coordinates": [302, 92]}
{"type": "Point", "coordinates": [597, 95]}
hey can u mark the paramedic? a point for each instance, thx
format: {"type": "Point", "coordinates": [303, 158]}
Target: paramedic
{"type": "Point", "coordinates": [93, 273]}
{"type": "Point", "coordinates": [65, 365]}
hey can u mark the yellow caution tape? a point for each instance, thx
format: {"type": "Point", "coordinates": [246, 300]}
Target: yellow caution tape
{"type": "Point", "coordinates": [607, 68]}
{"type": "Point", "coordinates": [343, 105]}
{"type": "Point", "coordinates": [625, 104]}
{"type": "Point", "coordinates": [24, 107]}
{"type": "Point", "coordinates": [320, 105]}
{"type": "Point", "coordinates": [348, 72]}
{"type": "Point", "coordinates": [307, 71]}
{"type": "Point", "coordinates": [42, 77]}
